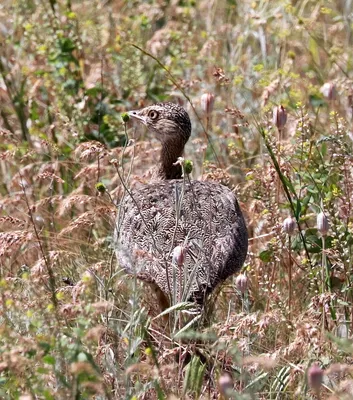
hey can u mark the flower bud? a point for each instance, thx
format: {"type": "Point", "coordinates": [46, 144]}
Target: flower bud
{"type": "Point", "coordinates": [241, 283]}
{"type": "Point", "coordinates": [101, 187]}
{"type": "Point", "coordinates": [188, 166]}
{"type": "Point", "coordinates": [225, 383]}
{"type": "Point", "coordinates": [179, 255]}
{"type": "Point", "coordinates": [149, 352]}
{"type": "Point", "coordinates": [39, 221]}
{"type": "Point", "coordinates": [207, 102]}
{"type": "Point", "coordinates": [315, 377]}
{"type": "Point", "coordinates": [125, 117]}
{"type": "Point", "coordinates": [322, 224]}
{"type": "Point", "coordinates": [279, 117]}
{"type": "Point", "coordinates": [328, 90]}
{"type": "Point", "coordinates": [289, 226]}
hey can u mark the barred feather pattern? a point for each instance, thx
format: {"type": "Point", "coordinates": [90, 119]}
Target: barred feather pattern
{"type": "Point", "coordinates": [184, 236]}
{"type": "Point", "coordinates": [203, 217]}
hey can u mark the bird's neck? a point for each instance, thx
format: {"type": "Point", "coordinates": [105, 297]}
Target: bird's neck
{"type": "Point", "coordinates": [169, 156]}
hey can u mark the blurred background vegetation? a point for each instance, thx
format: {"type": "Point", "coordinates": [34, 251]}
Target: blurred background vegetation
{"type": "Point", "coordinates": [73, 325]}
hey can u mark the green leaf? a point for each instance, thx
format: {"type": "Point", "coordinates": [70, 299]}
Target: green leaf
{"type": "Point", "coordinates": [48, 359]}
{"type": "Point", "coordinates": [266, 255]}
{"type": "Point", "coordinates": [44, 346]}
{"type": "Point", "coordinates": [42, 370]}
{"type": "Point", "coordinates": [313, 48]}
{"type": "Point", "coordinates": [306, 201]}
{"type": "Point", "coordinates": [289, 184]}
{"type": "Point", "coordinates": [47, 395]}
{"type": "Point", "coordinates": [195, 371]}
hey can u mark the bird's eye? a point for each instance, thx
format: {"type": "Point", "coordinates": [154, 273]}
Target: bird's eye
{"type": "Point", "coordinates": [153, 114]}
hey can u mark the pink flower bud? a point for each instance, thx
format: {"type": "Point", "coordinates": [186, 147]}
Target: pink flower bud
{"type": "Point", "coordinates": [289, 226]}
{"type": "Point", "coordinates": [241, 283]}
{"type": "Point", "coordinates": [322, 224]}
{"type": "Point", "coordinates": [279, 117]}
{"type": "Point", "coordinates": [179, 255]}
{"type": "Point", "coordinates": [207, 102]}
{"type": "Point", "coordinates": [328, 90]}
{"type": "Point", "coordinates": [315, 376]}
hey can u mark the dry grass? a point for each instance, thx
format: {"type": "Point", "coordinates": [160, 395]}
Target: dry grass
{"type": "Point", "coordinates": [73, 325]}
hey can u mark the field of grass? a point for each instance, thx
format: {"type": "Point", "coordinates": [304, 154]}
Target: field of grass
{"type": "Point", "coordinates": [73, 325]}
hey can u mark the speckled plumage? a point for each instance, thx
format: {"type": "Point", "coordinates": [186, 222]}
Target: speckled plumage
{"type": "Point", "coordinates": [203, 218]}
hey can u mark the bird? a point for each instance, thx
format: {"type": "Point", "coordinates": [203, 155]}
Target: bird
{"type": "Point", "coordinates": [185, 237]}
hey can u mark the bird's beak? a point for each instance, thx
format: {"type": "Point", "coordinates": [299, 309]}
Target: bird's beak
{"type": "Point", "coordinates": [136, 115]}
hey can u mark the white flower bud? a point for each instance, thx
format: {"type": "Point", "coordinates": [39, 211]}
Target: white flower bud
{"type": "Point", "coordinates": [225, 384]}
{"type": "Point", "coordinates": [241, 283]}
{"type": "Point", "coordinates": [328, 90]}
{"type": "Point", "coordinates": [289, 225]}
{"type": "Point", "coordinates": [322, 224]}
{"type": "Point", "coordinates": [207, 102]}
{"type": "Point", "coordinates": [279, 117]}
{"type": "Point", "coordinates": [179, 255]}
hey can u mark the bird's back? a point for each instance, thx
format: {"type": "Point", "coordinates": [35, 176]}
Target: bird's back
{"type": "Point", "coordinates": [200, 220]}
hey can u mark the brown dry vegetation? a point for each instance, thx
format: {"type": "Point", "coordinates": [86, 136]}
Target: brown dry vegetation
{"type": "Point", "coordinates": [73, 325]}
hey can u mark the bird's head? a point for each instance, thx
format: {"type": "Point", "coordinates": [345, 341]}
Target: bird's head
{"type": "Point", "coordinates": [169, 121]}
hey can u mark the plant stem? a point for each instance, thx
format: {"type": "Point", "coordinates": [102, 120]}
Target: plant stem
{"type": "Point", "coordinates": [290, 278]}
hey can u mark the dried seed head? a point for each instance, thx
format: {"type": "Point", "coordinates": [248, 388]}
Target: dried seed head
{"type": "Point", "coordinates": [315, 376]}
{"type": "Point", "coordinates": [241, 283]}
{"type": "Point", "coordinates": [179, 255]}
{"type": "Point", "coordinates": [322, 224]}
{"type": "Point", "coordinates": [279, 117]}
{"type": "Point", "coordinates": [207, 102]}
{"type": "Point", "coordinates": [225, 383]}
{"type": "Point", "coordinates": [328, 90]}
{"type": "Point", "coordinates": [289, 226]}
